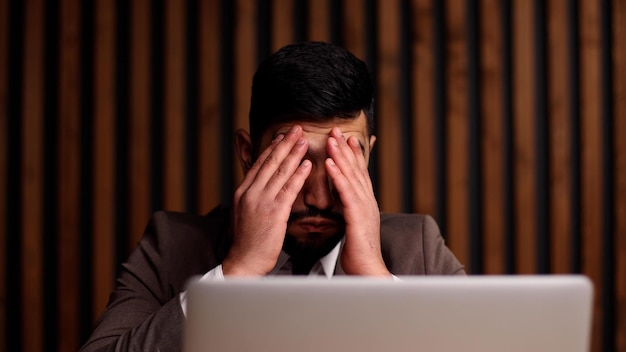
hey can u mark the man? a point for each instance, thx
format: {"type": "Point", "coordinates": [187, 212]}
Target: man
{"type": "Point", "coordinates": [305, 206]}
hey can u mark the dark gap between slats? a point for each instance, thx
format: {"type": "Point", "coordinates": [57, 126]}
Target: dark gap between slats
{"type": "Point", "coordinates": [475, 199]}
{"type": "Point", "coordinates": [573, 49]}
{"type": "Point", "coordinates": [13, 247]}
{"type": "Point", "coordinates": [507, 140]}
{"type": "Point", "coordinates": [371, 52]}
{"type": "Point", "coordinates": [439, 89]}
{"type": "Point", "coordinates": [336, 20]}
{"type": "Point", "coordinates": [300, 20]}
{"type": "Point", "coordinates": [406, 108]}
{"type": "Point", "coordinates": [227, 58]}
{"type": "Point", "coordinates": [264, 30]}
{"type": "Point", "coordinates": [122, 113]}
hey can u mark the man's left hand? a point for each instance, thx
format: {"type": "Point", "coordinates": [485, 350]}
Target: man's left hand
{"type": "Point", "coordinates": [347, 168]}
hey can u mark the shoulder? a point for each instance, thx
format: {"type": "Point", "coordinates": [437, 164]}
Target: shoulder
{"type": "Point", "coordinates": [408, 227]}
{"type": "Point", "coordinates": [179, 245]}
{"type": "Point", "coordinates": [412, 245]}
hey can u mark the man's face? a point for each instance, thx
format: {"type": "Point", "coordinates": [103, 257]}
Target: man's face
{"type": "Point", "coordinates": [316, 223]}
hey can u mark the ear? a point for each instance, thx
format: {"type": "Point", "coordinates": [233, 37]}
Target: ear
{"type": "Point", "coordinates": [243, 143]}
{"type": "Point", "coordinates": [372, 141]}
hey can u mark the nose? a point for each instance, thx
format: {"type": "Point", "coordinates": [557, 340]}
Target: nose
{"type": "Point", "coordinates": [317, 190]}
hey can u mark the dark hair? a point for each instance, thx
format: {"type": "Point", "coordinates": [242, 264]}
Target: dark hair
{"type": "Point", "coordinates": [312, 81]}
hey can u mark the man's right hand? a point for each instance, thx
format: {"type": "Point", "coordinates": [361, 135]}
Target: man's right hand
{"type": "Point", "coordinates": [263, 203]}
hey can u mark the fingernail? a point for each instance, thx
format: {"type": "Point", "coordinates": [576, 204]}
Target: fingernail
{"type": "Point", "coordinates": [300, 141]}
{"type": "Point", "coordinates": [279, 137]}
{"type": "Point", "coordinates": [306, 163]}
{"type": "Point", "coordinates": [333, 141]}
{"type": "Point", "coordinates": [331, 162]}
{"type": "Point", "coordinates": [294, 129]}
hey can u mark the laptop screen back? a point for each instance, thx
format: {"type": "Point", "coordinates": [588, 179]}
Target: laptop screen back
{"type": "Point", "coordinates": [481, 313]}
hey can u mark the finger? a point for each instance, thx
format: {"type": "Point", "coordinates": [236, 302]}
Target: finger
{"type": "Point", "coordinates": [346, 189]}
{"type": "Point", "coordinates": [269, 166]}
{"type": "Point", "coordinates": [344, 158]}
{"type": "Point", "coordinates": [342, 145]}
{"type": "Point", "coordinates": [254, 169]}
{"type": "Point", "coordinates": [290, 189]}
{"type": "Point", "coordinates": [288, 167]}
{"type": "Point", "coordinates": [358, 152]}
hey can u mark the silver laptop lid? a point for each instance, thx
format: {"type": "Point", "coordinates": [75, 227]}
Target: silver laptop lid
{"type": "Point", "coordinates": [481, 313]}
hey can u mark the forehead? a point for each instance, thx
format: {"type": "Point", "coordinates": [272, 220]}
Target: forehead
{"type": "Point", "coordinates": [349, 126]}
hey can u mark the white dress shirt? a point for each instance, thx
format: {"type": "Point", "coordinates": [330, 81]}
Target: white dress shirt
{"type": "Point", "coordinates": [325, 266]}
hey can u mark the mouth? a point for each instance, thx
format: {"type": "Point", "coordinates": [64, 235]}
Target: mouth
{"type": "Point", "coordinates": [316, 224]}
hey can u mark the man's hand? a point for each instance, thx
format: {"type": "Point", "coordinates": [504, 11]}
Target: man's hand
{"type": "Point", "coordinates": [263, 203]}
{"type": "Point", "coordinates": [347, 168]}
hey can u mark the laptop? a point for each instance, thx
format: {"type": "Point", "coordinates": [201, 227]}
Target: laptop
{"type": "Point", "coordinates": [476, 313]}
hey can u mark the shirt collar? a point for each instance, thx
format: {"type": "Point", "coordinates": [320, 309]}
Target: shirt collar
{"type": "Point", "coordinates": [328, 262]}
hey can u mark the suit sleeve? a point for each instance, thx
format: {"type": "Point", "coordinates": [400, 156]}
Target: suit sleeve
{"type": "Point", "coordinates": [144, 311]}
{"type": "Point", "coordinates": [438, 258]}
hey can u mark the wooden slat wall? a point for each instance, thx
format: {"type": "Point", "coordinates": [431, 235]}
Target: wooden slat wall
{"type": "Point", "coordinates": [504, 119]}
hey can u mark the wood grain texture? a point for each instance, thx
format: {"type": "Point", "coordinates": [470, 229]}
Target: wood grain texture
{"type": "Point", "coordinates": [209, 106]}
{"type": "Point", "coordinates": [140, 120]}
{"type": "Point", "coordinates": [32, 178]}
{"type": "Point", "coordinates": [424, 163]}
{"type": "Point", "coordinates": [319, 20]}
{"type": "Point", "coordinates": [69, 136]}
{"type": "Point", "coordinates": [457, 137]}
{"type": "Point", "coordinates": [174, 106]}
{"type": "Point", "coordinates": [282, 22]}
{"type": "Point", "coordinates": [245, 66]}
{"type": "Point", "coordinates": [524, 138]}
{"type": "Point", "coordinates": [353, 27]}
{"type": "Point", "coordinates": [619, 113]}
{"type": "Point", "coordinates": [388, 120]}
{"type": "Point", "coordinates": [591, 160]}
{"type": "Point", "coordinates": [560, 138]}
{"type": "Point", "coordinates": [104, 139]}
{"type": "Point", "coordinates": [492, 146]}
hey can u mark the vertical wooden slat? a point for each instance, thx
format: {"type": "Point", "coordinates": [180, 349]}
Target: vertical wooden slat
{"type": "Point", "coordinates": [619, 114]}
{"type": "Point", "coordinates": [209, 109]}
{"type": "Point", "coordinates": [319, 20]}
{"type": "Point", "coordinates": [591, 156]}
{"type": "Point", "coordinates": [424, 163]}
{"type": "Point", "coordinates": [524, 154]}
{"type": "Point", "coordinates": [245, 65]}
{"type": "Point", "coordinates": [282, 22]}
{"type": "Point", "coordinates": [139, 125]}
{"type": "Point", "coordinates": [388, 106]}
{"type": "Point", "coordinates": [174, 106]}
{"type": "Point", "coordinates": [492, 143]}
{"type": "Point", "coordinates": [558, 94]}
{"type": "Point", "coordinates": [103, 155]}
{"type": "Point", "coordinates": [353, 29]}
{"type": "Point", "coordinates": [4, 53]}
{"type": "Point", "coordinates": [457, 133]}
{"type": "Point", "coordinates": [32, 173]}
{"type": "Point", "coordinates": [68, 177]}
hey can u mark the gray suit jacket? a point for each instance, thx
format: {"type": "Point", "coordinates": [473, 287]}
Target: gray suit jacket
{"type": "Point", "coordinates": [144, 312]}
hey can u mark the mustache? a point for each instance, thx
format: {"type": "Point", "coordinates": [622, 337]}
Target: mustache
{"type": "Point", "coordinates": [315, 212]}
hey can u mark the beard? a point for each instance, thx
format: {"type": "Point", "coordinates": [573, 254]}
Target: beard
{"type": "Point", "coordinates": [314, 245]}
